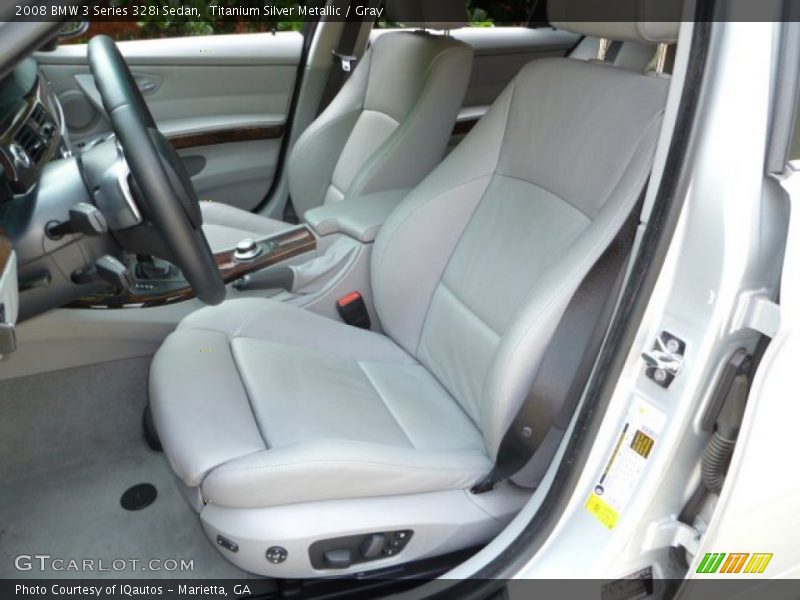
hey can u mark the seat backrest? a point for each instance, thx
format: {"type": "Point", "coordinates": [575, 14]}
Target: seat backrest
{"type": "Point", "coordinates": [389, 125]}
{"type": "Point", "coordinates": [474, 269]}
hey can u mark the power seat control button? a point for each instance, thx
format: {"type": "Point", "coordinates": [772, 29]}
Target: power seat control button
{"type": "Point", "coordinates": [277, 554]}
{"type": "Point", "coordinates": [396, 542]}
{"type": "Point", "coordinates": [227, 544]}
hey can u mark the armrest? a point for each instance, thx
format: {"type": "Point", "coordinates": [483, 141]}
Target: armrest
{"type": "Point", "coordinates": [360, 217]}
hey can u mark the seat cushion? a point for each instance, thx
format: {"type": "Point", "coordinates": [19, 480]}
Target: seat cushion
{"type": "Point", "coordinates": [261, 404]}
{"type": "Point", "coordinates": [225, 225]}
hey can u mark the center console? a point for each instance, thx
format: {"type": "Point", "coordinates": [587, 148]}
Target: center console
{"type": "Point", "coordinates": [235, 264]}
{"type": "Point", "coordinates": [298, 265]}
{"type": "Point", "coordinates": [328, 258]}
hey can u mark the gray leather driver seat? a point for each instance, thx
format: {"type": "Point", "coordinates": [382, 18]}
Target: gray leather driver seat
{"type": "Point", "coordinates": [386, 129]}
{"type": "Point", "coordinates": [290, 429]}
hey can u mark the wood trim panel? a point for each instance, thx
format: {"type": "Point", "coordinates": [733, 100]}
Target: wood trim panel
{"type": "Point", "coordinates": [6, 248]}
{"type": "Point", "coordinates": [226, 136]}
{"type": "Point", "coordinates": [288, 245]}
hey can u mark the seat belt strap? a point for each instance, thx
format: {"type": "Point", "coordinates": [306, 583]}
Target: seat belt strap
{"type": "Point", "coordinates": [344, 56]}
{"type": "Point", "coordinates": [567, 363]}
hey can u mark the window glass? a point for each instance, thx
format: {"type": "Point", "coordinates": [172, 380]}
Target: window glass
{"type": "Point", "coordinates": [481, 13]}
{"type": "Point", "coordinates": [148, 28]}
{"type": "Point", "coordinates": [496, 13]}
{"type": "Point", "coordinates": [493, 13]}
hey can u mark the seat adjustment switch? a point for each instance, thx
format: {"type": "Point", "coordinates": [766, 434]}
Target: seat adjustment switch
{"type": "Point", "coordinates": [349, 550]}
{"type": "Point", "coordinates": [372, 546]}
{"type": "Point", "coordinates": [227, 544]}
{"type": "Point", "coordinates": [341, 558]}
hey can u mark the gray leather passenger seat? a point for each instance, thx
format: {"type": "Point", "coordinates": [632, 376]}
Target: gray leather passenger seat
{"type": "Point", "coordinates": [386, 129]}
{"type": "Point", "coordinates": [291, 428]}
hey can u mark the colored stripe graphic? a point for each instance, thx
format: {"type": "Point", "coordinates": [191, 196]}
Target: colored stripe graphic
{"type": "Point", "coordinates": [711, 562]}
{"type": "Point", "coordinates": [758, 563]}
{"type": "Point", "coordinates": [734, 562]}
{"type": "Point", "coordinates": [716, 562]}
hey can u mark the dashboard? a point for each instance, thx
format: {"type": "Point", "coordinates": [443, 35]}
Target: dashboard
{"type": "Point", "coordinates": [31, 128]}
{"type": "Point", "coordinates": [31, 135]}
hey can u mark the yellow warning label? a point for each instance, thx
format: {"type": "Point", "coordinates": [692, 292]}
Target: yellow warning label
{"type": "Point", "coordinates": [642, 444]}
{"type": "Point", "coordinates": [635, 444]}
{"type": "Point", "coordinates": [600, 509]}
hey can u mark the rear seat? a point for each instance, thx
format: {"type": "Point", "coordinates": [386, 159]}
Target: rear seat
{"type": "Point", "coordinates": [629, 55]}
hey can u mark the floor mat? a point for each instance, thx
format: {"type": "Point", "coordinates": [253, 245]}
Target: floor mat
{"type": "Point", "coordinates": [70, 445]}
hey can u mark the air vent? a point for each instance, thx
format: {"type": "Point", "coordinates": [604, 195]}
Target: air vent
{"type": "Point", "coordinates": [39, 115]}
{"type": "Point", "coordinates": [28, 139]}
{"type": "Point", "coordinates": [36, 133]}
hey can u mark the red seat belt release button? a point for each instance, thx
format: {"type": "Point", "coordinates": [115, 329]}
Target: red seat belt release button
{"type": "Point", "coordinates": [353, 310]}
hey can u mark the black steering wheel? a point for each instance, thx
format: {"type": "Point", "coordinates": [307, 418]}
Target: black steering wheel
{"type": "Point", "coordinates": [172, 204]}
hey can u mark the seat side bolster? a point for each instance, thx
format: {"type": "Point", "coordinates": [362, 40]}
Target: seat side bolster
{"type": "Point", "coordinates": [515, 363]}
{"type": "Point", "coordinates": [337, 469]}
{"type": "Point", "coordinates": [199, 404]}
{"type": "Point", "coordinates": [419, 143]}
{"type": "Point", "coordinates": [426, 226]}
{"type": "Point", "coordinates": [259, 318]}
{"type": "Point", "coordinates": [316, 152]}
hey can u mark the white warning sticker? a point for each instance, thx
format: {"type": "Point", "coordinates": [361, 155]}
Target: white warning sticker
{"type": "Point", "coordinates": [623, 469]}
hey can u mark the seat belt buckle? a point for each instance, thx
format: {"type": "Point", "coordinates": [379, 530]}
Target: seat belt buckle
{"type": "Point", "coordinates": [346, 61]}
{"type": "Point", "coordinates": [353, 310]}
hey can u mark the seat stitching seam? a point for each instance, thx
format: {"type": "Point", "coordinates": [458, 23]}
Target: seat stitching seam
{"type": "Point", "coordinates": [386, 404]}
{"type": "Point", "coordinates": [237, 332]}
{"type": "Point", "coordinates": [490, 174]}
{"type": "Point", "coordinates": [265, 342]}
{"type": "Point", "coordinates": [468, 309]}
{"type": "Point", "coordinates": [354, 187]}
{"type": "Point", "coordinates": [549, 191]}
{"type": "Point", "coordinates": [247, 395]}
{"type": "Point", "coordinates": [328, 462]}
{"type": "Point", "coordinates": [442, 383]}
{"type": "Point", "coordinates": [424, 325]}
{"type": "Point", "coordinates": [302, 141]}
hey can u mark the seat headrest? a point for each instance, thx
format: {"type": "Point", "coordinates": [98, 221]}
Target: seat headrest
{"type": "Point", "coordinates": [428, 14]}
{"type": "Point", "coordinates": [643, 21]}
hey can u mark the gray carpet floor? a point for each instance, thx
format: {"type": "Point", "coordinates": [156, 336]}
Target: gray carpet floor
{"type": "Point", "coordinates": [70, 445]}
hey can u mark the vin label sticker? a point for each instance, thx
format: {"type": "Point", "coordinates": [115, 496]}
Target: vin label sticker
{"type": "Point", "coordinates": [624, 467]}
